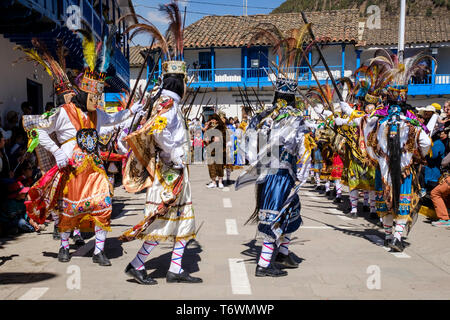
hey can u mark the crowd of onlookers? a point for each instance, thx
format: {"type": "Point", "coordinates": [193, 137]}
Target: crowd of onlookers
{"type": "Point", "coordinates": [232, 130]}
{"type": "Point", "coordinates": [18, 172]}
{"type": "Point", "coordinates": [434, 176]}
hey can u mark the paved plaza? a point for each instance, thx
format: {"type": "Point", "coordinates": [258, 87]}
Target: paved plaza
{"type": "Point", "coordinates": [340, 257]}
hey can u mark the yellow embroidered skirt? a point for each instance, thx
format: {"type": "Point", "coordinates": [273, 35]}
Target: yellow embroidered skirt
{"type": "Point", "coordinates": [86, 200]}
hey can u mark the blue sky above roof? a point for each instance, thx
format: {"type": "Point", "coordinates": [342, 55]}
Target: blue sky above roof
{"type": "Point", "coordinates": [196, 9]}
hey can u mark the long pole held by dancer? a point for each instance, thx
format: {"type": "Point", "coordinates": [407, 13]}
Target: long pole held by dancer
{"type": "Point", "coordinates": [313, 38]}
{"type": "Point", "coordinates": [132, 95]}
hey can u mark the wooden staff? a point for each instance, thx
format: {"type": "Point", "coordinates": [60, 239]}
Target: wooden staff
{"type": "Point", "coordinates": [322, 58]}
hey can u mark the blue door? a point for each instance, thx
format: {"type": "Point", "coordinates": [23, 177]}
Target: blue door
{"type": "Point", "coordinates": [205, 73]}
{"type": "Point", "coordinates": [257, 59]}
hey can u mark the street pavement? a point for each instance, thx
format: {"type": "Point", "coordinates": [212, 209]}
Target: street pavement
{"type": "Point", "coordinates": [340, 257]}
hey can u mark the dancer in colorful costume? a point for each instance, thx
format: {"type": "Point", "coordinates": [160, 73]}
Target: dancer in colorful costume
{"type": "Point", "coordinates": [277, 209]}
{"type": "Point", "coordinates": [158, 162]}
{"type": "Point", "coordinates": [78, 186]}
{"type": "Point", "coordinates": [393, 141]}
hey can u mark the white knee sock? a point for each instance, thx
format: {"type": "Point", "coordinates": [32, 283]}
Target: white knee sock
{"type": "Point", "coordinates": [400, 225]}
{"type": "Point", "coordinates": [55, 217]}
{"type": "Point", "coordinates": [284, 246]}
{"type": "Point", "coordinates": [266, 254]}
{"type": "Point", "coordinates": [177, 256]}
{"type": "Point", "coordinates": [327, 186]}
{"type": "Point", "coordinates": [354, 200]}
{"type": "Point", "coordinates": [65, 239]}
{"type": "Point", "coordinates": [373, 207]}
{"type": "Point", "coordinates": [142, 255]}
{"type": "Point", "coordinates": [317, 177]}
{"type": "Point", "coordinates": [338, 185]}
{"type": "Point", "coordinates": [388, 220]}
{"type": "Point", "coordinates": [100, 238]}
{"type": "Point", "coordinates": [366, 198]}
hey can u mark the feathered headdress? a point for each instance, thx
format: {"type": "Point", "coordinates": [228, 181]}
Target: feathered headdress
{"type": "Point", "coordinates": [96, 58]}
{"type": "Point", "coordinates": [386, 71]}
{"type": "Point", "coordinates": [290, 49]}
{"type": "Point", "coordinates": [56, 70]}
{"type": "Point", "coordinates": [325, 98]}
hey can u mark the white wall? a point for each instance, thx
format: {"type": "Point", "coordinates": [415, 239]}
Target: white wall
{"type": "Point", "coordinates": [13, 79]}
{"type": "Point", "coordinates": [134, 72]}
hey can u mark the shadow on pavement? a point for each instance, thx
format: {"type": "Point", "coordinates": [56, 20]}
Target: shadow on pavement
{"type": "Point", "coordinates": [24, 277]}
{"type": "Point", "coordinates": [7, 258]}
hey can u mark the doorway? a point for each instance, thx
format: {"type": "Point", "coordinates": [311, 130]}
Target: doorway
{"type": "Point", "coordinates": [34, 96]}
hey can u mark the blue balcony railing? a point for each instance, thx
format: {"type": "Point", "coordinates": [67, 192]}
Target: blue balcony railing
{"type": "Point", "coordinates": [231, 77]}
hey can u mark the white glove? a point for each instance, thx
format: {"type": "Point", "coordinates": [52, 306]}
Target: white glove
{"type": "Point", "coordinates": [340, 121]}
{"type": "Point", "coordinates": [346, 107]}
{"type": "Point", "coordinates": [177, 156]}
{"type": "Point", "coordinates": [62, 160]}
{"type": "Point", "coordinates": [136, 107]}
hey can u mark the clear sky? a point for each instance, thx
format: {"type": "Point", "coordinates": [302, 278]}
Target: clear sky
{"type": "Point", "coordinates": [196, 9]}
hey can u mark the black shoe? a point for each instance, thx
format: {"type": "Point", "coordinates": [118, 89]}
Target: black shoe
{"type": "Point", "coordinates": [270, 271]}
{"type": "Point", "coordinates": [78, 239]}
{"type": "Point", "coordinates": [139, 275]}
{"type": "Point", "coordinates": [387, 243]}
{"type": "Point", "coordinates": [317, 188]}
{"type": "Point", "coordinates": [373, 216]}
{"type": "Point", "coordinates": [347, 210]}
{"type": "Point", "coordinates": [327, 194]}
{"type": "Point", "coordinates": [286, 260]}
{"type": "Point", "coordinates": [397, 245]}
{"type": "Point", "coordinates": [63, 255]}
{"type": "Point", "coordinates": [181, 277]}
{"type": "Point", "coordinates": [337, 200]}
{"type": "Point", "coordinates": [366, 208]}
{"type": "Point", "coordinates": [353, 215]}
{"type": "Point", "coordinates": [56, 235]}
{"type": "Point", "coordinates": [101, 259]}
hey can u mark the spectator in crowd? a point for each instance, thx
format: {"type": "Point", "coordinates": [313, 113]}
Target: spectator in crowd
{"type": "Point", "coordinates": [5, 169]}
{"type": "Point", "coordinates": [215, 165]}
{"type": "Point", "coordinates": [432, 171]}
{"type": "Point", "coordinates": [13, 217]}
{"type": "Point", "coordinates": [197, 145]}
{"type": "Point", "coordinates": [440, 195]}
{"type": "Point", "coordinates": [444, 117]}
{"type": "Point", "coordinates": [49, 106]}
{"type": "Point", "coordinates": [24, 173]}
{"type": "Point", "coordinates": [12, 120]}
{"type": "Point", "coordinates": [17, 149]}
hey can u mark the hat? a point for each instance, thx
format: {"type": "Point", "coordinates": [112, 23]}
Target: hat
{"type": "Point", "coordinates": [6, 134]}
{"type": "Point", "coordinates": [437, 106]}
{"type": "Point", "coordinates": [429, 108]}
{"type": "Point", "coordinates": [17, 188]}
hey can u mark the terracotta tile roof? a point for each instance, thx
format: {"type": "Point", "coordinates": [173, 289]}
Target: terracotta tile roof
{"type": "Point", "coordinates": [234, 31]}
{"type": "Point", "coordinates": [418, 29]}
{"type": "Point", "coordinates": [136, 58]}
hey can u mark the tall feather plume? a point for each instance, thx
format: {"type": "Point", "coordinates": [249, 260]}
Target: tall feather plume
{"type": "Point", "coordinates": [107, 49]}
{"type": "Point", "coordinates": [33, 55]}
{"type": "Point", "coordinates": [148, 28]}
{"type": "Point", "coordinates": [89, 49]}
{"type": "Point", "coordinates": [175, 28]}
{"type": "Point", "coordinates": [58, 73]}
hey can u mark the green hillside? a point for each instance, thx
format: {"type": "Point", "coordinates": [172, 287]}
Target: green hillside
{"type": "Point", "coordinates": [414, 7]}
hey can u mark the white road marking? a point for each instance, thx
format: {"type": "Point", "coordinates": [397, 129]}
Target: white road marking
{"type": "Point", "coordinates": [227, 203]}
{"type": "Point", "coordinates": [325, 227]}
{"type": "Point", "coordinates": [380, 242]}
{"type": "Point", "coordinates": [34, 293]}
{"type": "Point", "coordinates": [238, 275]}
{"type": "Point", "coordinates": [231, 226]}
{"type": "Point", "coordinates": [226, 189]}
